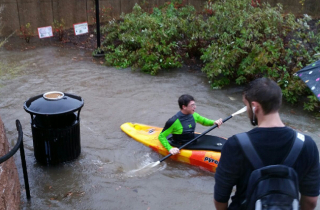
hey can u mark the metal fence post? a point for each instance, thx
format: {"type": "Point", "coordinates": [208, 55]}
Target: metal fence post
{"type": "Point", "coordinates": [23, 160]}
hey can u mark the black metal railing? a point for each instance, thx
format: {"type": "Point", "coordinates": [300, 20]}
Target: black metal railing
{"type": "Point", "coordinates": [19, 145]}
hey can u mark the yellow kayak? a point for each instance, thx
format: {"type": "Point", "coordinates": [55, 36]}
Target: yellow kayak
{"type": "Point", "coordinates": [205, 153]}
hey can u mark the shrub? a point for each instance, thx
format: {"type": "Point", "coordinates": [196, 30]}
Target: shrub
{"type": "Point", "coordinates": [251, 42]}
{"type": "Point", "coordinates": [154, 41]}
{"type": "Point", "coordinates": [26, 32]}
{"type": "Point", "coordinates": [58, 27]}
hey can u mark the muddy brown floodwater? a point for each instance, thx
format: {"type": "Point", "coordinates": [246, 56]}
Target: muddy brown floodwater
{"type": "Point", "coordinates": [97, 179]}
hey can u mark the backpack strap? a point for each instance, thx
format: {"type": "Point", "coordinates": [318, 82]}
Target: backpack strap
{"type": "Point", "coordinates": [254, 158]}
{"type": "Point", "coordinates": [249, 150]}
{"type": "Point", "coordinates": [295, 150]}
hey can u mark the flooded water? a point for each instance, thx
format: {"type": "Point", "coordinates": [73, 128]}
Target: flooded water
{"type": "Point", "coordinates": [98, 178]}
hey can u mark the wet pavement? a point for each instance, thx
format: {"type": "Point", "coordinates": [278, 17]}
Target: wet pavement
{"type": "Point", "coordinates": [97, 179]}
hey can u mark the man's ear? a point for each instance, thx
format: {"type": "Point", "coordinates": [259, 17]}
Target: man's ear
{"type": "Point", "coordinates": [255, 105]}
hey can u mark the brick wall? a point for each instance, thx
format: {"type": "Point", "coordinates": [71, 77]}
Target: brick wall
{"type": "Point", "coordinates": [9, 179]}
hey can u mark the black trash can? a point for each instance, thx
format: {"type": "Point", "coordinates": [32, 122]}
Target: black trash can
{"type": "Point", "coordinates": [55, 124]}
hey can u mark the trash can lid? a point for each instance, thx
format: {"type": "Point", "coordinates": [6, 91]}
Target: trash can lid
{"type": "Point", "coordinates": [53, 103]}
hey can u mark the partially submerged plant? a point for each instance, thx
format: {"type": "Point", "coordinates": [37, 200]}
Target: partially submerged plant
{"type": "Point", "coordinates": [58, 27]}
{"type": "Point", "coordinates": [26, 32]}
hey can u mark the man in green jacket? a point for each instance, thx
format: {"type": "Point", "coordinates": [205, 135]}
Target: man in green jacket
{"type": "Point", "coordinates": [183, 124]}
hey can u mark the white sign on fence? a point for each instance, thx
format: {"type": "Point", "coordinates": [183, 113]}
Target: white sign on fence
{"type": "Point", "coordinates": [45, 32]}
{"type": "Point", "coordinates": [81, 28]}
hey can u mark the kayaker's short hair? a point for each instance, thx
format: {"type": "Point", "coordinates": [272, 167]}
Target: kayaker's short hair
{"type": "Point", "coordinates": [266, 92]}
{"type": "Point", "coordinates": [184, 100]}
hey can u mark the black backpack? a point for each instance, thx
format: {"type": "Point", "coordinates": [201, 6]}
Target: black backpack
{"type": "Point", "coordinates": [273, 187]}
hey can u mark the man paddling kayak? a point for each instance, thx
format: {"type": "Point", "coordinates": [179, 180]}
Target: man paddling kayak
{"type": "Point", "coordinates": [183, 124]}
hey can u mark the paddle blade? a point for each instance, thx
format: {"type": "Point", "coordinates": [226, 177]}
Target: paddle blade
{"type": "Point", "coordinates": [145, 170]}
{"type": "Point", "coordinates": [240, 111]}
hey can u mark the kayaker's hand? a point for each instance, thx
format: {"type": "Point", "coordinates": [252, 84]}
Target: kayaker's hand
{"type": "Point", "coordinates": [218, 122]}
{"type": "Point", "coordinates": [174, 151]}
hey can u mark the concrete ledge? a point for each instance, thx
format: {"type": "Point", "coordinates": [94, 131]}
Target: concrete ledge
{"type": "Point", "coordinates": [9, 178]}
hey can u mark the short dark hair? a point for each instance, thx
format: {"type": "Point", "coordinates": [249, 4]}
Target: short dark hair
{"type": "Point", "coordinates": [266, 92]}
{"type": "Point", "coordinates": [184, 100]}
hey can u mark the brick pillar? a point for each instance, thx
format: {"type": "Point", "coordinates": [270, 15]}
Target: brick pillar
{"type": "Point", "coordinates": [9, 179]}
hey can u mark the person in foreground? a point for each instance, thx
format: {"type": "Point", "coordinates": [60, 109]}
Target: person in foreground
{"type": "Point", "coordinates": [183, 124]}
{"type": "Point", "coordinates": [272, 141]}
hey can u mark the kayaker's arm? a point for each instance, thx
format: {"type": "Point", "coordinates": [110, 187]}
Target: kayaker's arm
{"type": "Point", "coordinates": [205, 121]}
{"type": "Point", "coordinates": [163, 140]}
{"type": "Point", "coordinates": [202, 120]}
{"type": "Point", "coordinates": [167, 130]}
